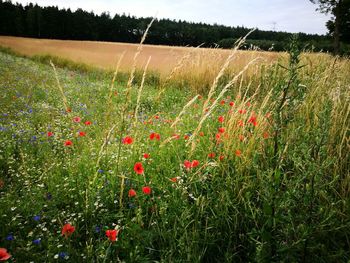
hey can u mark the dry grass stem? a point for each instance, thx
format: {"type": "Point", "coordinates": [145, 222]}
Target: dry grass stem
{"type": "Point", "coordinates": [65, 102]}
{"type": "Point", "coordinates": [140, 91]}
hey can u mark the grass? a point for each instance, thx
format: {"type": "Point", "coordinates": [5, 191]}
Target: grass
{"type": "Point", "coordinates": [271, 182]}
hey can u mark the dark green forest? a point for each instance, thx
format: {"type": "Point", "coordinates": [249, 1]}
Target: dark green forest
{"type": "Point", "coordinates": [54, 23]}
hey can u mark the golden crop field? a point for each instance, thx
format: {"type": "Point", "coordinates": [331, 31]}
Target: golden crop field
{"type": "Point", "coordinates": [106, 54]}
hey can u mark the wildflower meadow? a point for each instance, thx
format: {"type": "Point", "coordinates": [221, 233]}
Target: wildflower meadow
{"type": "Point", "coordinates": [250, 166]}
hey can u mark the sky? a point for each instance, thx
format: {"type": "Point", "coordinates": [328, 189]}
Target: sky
{"type": "Point", "coordinates": [281, 15]}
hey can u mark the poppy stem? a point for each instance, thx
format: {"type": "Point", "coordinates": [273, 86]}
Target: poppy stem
{"type": "Point", "coordinates": [107, 252]}
{"type": "Point", "coordinates": [121, 192]}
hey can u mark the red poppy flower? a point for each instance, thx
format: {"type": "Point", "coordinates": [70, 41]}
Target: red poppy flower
{"type": "Point", "coordinates": [221, 130]}
{"type": "Point", "coordinates": [248, 104]}
{"type": "Point", "coordinates": [221, 157]}
{"type": "Point", "coordinates": [221, 119]}
{"type": "Point", "coordinates": [174, 179]}
{"type": "Point", "coordinates": [232, 104]}
{"type": "Point", "coordinates": [68, 110]}
{"type": "Point", "coordinates": [194, 163]}
{"type": "Point", "coordinates": [187, 164]}
{"type": "Point", "coordinates": [82, 134]}
{"type": "Point", "coordinates": [68, 143]}
{"type": "Point", "coordinates": [87, 123]}
{"type": "Point", "coordinates": [218, 136]}
{"type": "Point", "coordinates": [67, 230]}
{"type": "Point", "coordinates": [146, 155]}
{"type": "Point", "coordinates": [132, 193]}
{"type": "Point", "coordinates": [4, 255]}
{"type": "Point", "coordinates": [154, 136]}
{"type": "Point", "coordinates": [186, 137]}
{"type": "Point", "coordinates": [252, 120]}
{"type": "Point", "coordinates": [238, 153]}
{"type": "Point", "coordinates": [241, 137]}
{"type": "Point", "coordinates": [127, 140]}
{"type": "Point", "coordinates": [49, 134]}
{"type": "Point", "coordinates": [175, 136]}
{"type": "Point", "coordinates": [222, 102]}
{"type": "Point", "coordinates": [112, 234]}
{"type": "Point", "coordinates": [240, 123]}
{"type": "Point", "coordinates": [200, 97]}
{"type": "Point", "coordinates": [242, 111]}
{"type": "Point", "coordinates": [211, 155]}
{"type": "Point", "coordinates": [266, 135]}
{"type": "Point", "coordinates": [147, 190]}
{"type": "Point", "coordinates": [156, 117]}
{"type": "Point", "coordinates": [201, 134]}
{"type": "Point", "coordinates": [76, 119]}
{"type": "Point", "coordinates": [138, 168]}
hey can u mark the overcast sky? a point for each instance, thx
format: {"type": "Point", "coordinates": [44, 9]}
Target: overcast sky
{"type": "Point", "coordinates": [282, 15]}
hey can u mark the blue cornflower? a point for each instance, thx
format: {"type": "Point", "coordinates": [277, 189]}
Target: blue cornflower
{"type": "Point", "coordinates": [37, 241]}
{"type": "Point", "coordinates": [100, 171]}
{"type": "Point", "coordinates": [10, 237]}
{"type": "Point", "coordinates": [131, 205]}
{"type": "Point", "coordinates": [63, 254]}
{"type": "Point", "coordinates": [37, 218]}
{"type": "Point", "coordinates": [48, 196]}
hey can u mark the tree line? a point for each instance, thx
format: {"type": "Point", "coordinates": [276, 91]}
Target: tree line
{"type": "Point", "coordinates": [54, 23]}
{"type": "Point", "coordinates": [339, 24]}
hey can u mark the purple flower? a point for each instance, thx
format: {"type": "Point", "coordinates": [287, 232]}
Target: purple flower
{"type": "Point", "coordinates": [37, 218]}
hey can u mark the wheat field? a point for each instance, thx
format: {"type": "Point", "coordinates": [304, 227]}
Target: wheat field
{"type": "Point", "coordinates": [106, 54]}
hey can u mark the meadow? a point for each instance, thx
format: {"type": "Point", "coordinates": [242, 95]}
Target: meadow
{"type": "Point", "coordinates": [208, 161]}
